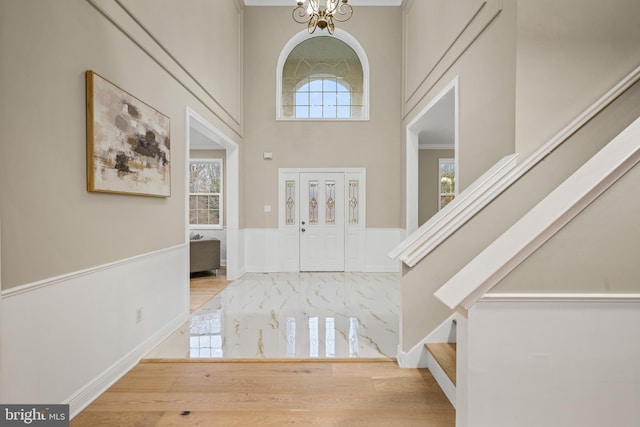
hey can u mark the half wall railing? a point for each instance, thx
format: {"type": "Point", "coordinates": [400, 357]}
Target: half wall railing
{"type": "Point", "coordinates": [544, 220]}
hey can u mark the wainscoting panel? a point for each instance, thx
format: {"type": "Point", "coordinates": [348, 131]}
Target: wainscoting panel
{"type": "Point", "coordinates": [262, 250]}
{"type": "Point", "coordinates": [575, 356]}
{"type": "Point", "coordinates": [266, 251]}
{"type": "Point", "coordinates": [68, 338]}
{"type": "Point", "coordinates": [379, 241]}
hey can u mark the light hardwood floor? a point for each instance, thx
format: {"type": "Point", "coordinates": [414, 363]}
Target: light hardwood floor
{"type": "Point", "coordinates": [269, 393]}
{"type": "Point", "coordinates": [205, 286]}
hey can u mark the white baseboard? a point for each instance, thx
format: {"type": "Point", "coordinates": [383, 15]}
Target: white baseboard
{"type": "Point", "coordinates": [414, 358]}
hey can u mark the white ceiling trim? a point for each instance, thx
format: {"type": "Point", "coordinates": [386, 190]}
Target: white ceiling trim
{"type": "Point", "coordinates": [292, 3]}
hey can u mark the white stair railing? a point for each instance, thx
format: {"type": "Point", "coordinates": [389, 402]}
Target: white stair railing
{"type": "Point", "coordinates": [543, 221]}
{"type": "Point", "coordinates": [485, 189]}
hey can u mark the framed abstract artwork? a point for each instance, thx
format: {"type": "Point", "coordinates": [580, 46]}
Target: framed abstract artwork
{"type": "Point", "coordinates": [128, 142]}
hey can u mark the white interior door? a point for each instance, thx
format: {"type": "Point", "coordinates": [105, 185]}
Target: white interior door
{"type": "Point", "coordinates": [322, 216]}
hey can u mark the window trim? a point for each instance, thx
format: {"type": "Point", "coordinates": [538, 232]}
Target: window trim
{"type": "Point", "coordinates": [220, 225]}
{"type": "Point", "coordinates": [344, 37]}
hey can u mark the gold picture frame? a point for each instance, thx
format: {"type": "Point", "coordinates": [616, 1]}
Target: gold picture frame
{"type": "Point", "coordinates": [128, 142]}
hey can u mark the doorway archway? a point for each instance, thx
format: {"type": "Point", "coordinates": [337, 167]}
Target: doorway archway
{"type": "Point", "coordinates": [439, 117]}
{"type": "Point", "coordinates": [217, 139]}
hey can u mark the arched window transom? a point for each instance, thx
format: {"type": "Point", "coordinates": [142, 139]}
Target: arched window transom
{"type": "Point", "coordinates": [322, 77]}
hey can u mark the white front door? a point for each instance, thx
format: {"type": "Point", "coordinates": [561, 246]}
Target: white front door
{"type": "Point", "coordinates": [322, 216]}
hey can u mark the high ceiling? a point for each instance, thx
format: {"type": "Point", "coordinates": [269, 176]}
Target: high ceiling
{"type": "Point", "coordinates": [292, 3]}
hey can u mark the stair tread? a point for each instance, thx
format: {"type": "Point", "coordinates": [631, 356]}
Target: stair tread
{"type": "Point", "coordinates": [445, 355]}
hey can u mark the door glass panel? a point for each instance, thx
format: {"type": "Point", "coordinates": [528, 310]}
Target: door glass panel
{"type": "Point", "coordinates": [313, 202]}
{"type": "Point", "coordinates": [331, 202]}
{"type": "Point", "coordinates": [353, 201]}
{"type": "Point", "coordinates": [290, 202]}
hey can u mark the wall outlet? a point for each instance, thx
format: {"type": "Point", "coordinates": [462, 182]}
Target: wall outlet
{"type": "Point", "coordinates": [139, 315]}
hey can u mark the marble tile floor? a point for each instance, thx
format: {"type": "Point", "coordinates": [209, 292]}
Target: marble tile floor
{"type": "Point", "coordinates": [293, 315]}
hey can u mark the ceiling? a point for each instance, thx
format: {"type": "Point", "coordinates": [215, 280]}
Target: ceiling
{"type": "Point", "coordinates": [292, 3]}
{"type": "Point", "coordinates": [437, 126]}
{"type": "Point", "coordinates": [201, 138]}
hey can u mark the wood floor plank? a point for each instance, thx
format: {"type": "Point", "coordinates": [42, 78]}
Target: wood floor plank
{"type": "Point", "coordinates": [111, 419]}
{"type": "Point", "coordinates": [271, 394]}
{"type": "Point", "coordinates": [261, 401]}
{"type": "Point", "coordinates": [307, 419]}
{"type": "Point", "coordinates": [271, 418]}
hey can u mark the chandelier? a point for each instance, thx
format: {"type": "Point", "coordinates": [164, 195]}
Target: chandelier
{"type": "Point", "coordinates": [313, 14]}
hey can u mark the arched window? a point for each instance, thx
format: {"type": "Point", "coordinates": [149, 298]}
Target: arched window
{"type": "Point", "coordinates": [323, 78]}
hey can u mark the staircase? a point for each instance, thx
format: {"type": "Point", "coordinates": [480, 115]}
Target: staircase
{"type": "Point", "coordinates": [508, 191]}
{"type": "Point", "coordinates": [595, 153]}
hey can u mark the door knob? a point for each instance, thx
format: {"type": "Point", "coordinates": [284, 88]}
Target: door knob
{"type": "Point", "coordinates": [303, 230]}
{"type": "Point", "coordinates": [303, 223]}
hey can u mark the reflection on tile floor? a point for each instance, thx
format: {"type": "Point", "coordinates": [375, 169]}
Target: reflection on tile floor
{"type": "Point", "coordinates": [295, 315]}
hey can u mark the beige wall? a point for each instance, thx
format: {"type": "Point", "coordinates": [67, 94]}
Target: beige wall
{"type": "Point", "coordinates": [481, 53]}
{"type": "Point", "coordinates": [597, 252]}
{"type": "Point", "coordinates": [570, 53]}
{"type": "Point", "coordinates": [474, 41]}
{"type": "Point", "coordinates": [50, 224]}
{"type": "Point", "coordinates": [373, 144]}
{"type": "Point", "coordinates": [428, 182]}
{"type": "Point", "coordinates": [205, 37]}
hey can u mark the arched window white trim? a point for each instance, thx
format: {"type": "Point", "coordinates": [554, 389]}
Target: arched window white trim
{"type": "Point", "coordinates": [339, 34]}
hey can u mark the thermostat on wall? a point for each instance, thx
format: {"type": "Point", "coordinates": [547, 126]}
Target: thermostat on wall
{"type": "Point", "coordinates": [267, 156]}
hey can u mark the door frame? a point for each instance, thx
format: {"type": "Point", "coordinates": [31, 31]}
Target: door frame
{"type": "Point", "coordinates": [232, 187]}
{"type": "Point", "coordinates": [413, 129]}
{"type": "Point", "coordinates": [289, 234]}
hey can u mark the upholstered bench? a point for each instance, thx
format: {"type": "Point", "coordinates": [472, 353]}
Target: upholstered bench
{"type": "Point", "coordinates": [204, 255]}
